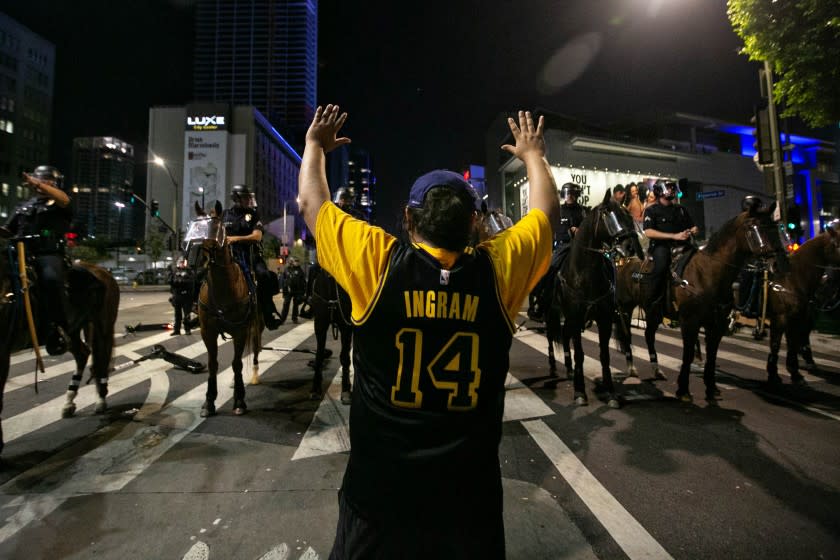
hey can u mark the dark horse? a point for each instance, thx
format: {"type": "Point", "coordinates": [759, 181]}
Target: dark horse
{"type": "Point", "coordinates": [330, 309]}
{"type": "Point", "coordinates": [94, 298]}
{"type": "Point", "coordinates": [703, 298]}
{"type": "Point", "coordinates": [584, 291]}
{"type": "Point", "coordinates": [225, 305]}
{"type": "Point", "coordinates": [795, 297]}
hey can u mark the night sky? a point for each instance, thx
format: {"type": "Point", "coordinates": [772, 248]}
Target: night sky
{"type": "Point", "coordinates": [421, 80]}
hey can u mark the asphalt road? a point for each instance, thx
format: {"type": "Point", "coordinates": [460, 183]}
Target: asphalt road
{"type": "Point", "coordinates": [755, 475]}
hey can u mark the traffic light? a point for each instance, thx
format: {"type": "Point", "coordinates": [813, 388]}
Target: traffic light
{"type": "Point", "coordinates": [154, 208]}
{"type": "Point", "coordinates": [131, 198]}
{"type": "Point", "coordinates": [281, 260]}
{"type": "Point", "coordinates": [794, 221]}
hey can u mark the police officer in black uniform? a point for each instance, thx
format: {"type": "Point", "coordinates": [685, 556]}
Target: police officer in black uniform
{"type": "Point", "coordinates": [42, 222]}
{"type": "Point", "coordinates": [666, 224]}
{"type": "Point", "coordinates": [571, 216]}
{"type": "Point", "coordinates": [345, 199]}
{"type": "Point", "coordinates": [182, 286]}
{"type": "Point", "coordinates": [244, 231]}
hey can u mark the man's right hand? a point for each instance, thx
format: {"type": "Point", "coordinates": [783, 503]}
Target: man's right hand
{"type": "Point", "coordinates": [324, 128]}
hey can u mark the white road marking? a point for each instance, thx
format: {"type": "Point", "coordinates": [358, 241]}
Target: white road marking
{"type": "Point", "coordinates": [628, 533]}
{"type": "Point", "coordinates": [198, 551]}
{"type": "Point", "coordinates": [111, 466]}
{"type": "Point", "coordinates": [28, 355]}
{"type": "Point", "coordinates": [65, 367]}
{"type": "Point", "coordinates": [329, 433]}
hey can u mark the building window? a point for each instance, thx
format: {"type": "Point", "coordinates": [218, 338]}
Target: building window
{"type": "Point", "coordinates": [5, 189]}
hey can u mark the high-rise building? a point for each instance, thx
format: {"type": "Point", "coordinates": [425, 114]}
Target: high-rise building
{"type": "Point", "coordinates": [101, 183]}
{"type": "Point", "coordinates": [27, 71]}
{"type": "Point", "coordinates": [350, 167]}
{"type": "Point", "coordinates": [261, 53]}
{"type": "Point", "coordinates": [206, 149]}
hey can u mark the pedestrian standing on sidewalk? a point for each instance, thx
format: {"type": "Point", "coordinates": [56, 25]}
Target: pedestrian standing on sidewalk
{"type": "Point", "coordinates": [434, 321]}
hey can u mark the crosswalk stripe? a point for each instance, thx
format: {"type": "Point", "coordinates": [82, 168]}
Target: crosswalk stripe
{"type": "Point", "coordinates": [66, 366]}
{"type": "Point", "coordinates": [109, 467]}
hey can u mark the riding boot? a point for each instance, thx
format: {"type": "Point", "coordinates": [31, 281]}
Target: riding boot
{"type": "Point", "coordinates": [270, 319]}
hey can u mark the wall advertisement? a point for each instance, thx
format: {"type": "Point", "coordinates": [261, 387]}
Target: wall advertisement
{"type": "Point", "coordinates": [205, 157]}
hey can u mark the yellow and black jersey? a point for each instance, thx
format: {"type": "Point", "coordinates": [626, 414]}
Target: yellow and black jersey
{"type": "Point", "coordinates": [434, 352]}
{"type": "Point", "coordinates": [432, 335]}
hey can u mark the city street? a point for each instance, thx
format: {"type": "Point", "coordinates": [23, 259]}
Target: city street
{"type": "Point", "coordinates": [754, 475]}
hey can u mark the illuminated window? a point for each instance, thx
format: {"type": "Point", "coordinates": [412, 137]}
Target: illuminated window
{"type": "Point", "coordinates": [5, 189]}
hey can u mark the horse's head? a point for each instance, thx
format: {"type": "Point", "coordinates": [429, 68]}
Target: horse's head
{"type": "Point", "coordinates": [205, 234]}
{"type": "Point", "coordinates": [614, 228]}
{"type": "Point", "coordinates": [760, 235]}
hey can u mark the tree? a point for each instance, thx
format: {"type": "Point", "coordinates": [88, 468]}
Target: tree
{"type": "Point", "coordinates": [154, 245]}
{"type": "Point", "coordinates": [801, 39]}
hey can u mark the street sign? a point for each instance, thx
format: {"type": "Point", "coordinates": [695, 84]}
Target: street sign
{"type": "Point", "coordinates": [710, 194]}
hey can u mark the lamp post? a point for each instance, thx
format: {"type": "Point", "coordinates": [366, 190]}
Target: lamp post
{"type": "Point", "coordinates": [200, 192]}
{"type": "Point", "coordinates": [119, 206]}
{"type": "Point", "coordinates": [160, 162]}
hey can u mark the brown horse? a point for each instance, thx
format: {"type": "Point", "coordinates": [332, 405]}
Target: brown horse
{"type": "Point", "coordinates": [795, 297]}
{"type": "Point", "coordinates": [703, 298]}
{"type": "Point", "coordinates": [94, 299]}
{"type": "Point", "coordinates": [225, 305]}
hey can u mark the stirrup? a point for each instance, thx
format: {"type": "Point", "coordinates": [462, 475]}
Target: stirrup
{"type": "Point", "coordinates": [57, 341]}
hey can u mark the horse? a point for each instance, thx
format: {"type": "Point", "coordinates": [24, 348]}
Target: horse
{"type": "Point", "coordinates": [330, 309]}
{"type": "Point", "coordinates": [703, 297]}
{"type": "Point", "coordinates": [795, 296]}
{"type": "Point", "coordinates": [94, 299]}
{"type": "Point", "coordinates": [225, 305]}
{"type": "Point", "coordinates": [584, 290]}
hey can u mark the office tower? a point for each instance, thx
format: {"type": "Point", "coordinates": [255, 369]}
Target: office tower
{"type": "Point", "coordinates": [100, 183]}
{"type": "Point", "coordinates": [27, 72]}
{"type": "Point", "coordinates": [261, 53]}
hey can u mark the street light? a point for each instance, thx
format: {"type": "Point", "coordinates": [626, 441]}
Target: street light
{"type": "Point", "coordinates": [119, 206]}
{"type": "Point", "coordinates": [200, 192]}
{"type": "Point", "coordinates": [160, 162]}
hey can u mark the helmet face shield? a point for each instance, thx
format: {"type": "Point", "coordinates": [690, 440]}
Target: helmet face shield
{"type": "Point", "coordinates": [614, 227]}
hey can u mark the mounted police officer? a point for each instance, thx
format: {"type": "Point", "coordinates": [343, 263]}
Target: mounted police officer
{"type": "Point", "coordinates": [666, 224]}
{"type": "Point", "coordinates": [244, 231]}
{"type": "Point", "coordinates": [41, 223]}
{"type": "Point", "coordinates": [571, 216]}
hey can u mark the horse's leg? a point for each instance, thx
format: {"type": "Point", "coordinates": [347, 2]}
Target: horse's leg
{"type": "Point", "coordinates": [652, 320]}
{"type": "Point", "coordinates": [714, 333]}
{"type": "Point", "coordinates": [604, 334]}
{"type": "Point", "coordinates": [776, 330]}
{"type": "Point", "coordinates": [322, 324]}
{"type": "Point", "coordinates": [239, 341]}
{"type": "Point", "coordinates": [346, 343]}
{"type": "Point", "coordinates": [4, 375]}
{"type": "Point", "coordinates": [101, 340]}
{"type": "Point", "coordinates": [210, 342]}
{"type": "Point", "coordinates": [806, 353]}
{"type": "Point", "coordinates": [690, 332]}
{"type": "Point", "coordinates": [550, 337]}
{"type": "Point", "coordinates": [80, 352]}
{"type": "Point", "coordinates": [794, 347]}
{"type": "Point", "coordinates": [256, 344]}
{"type": "Point", "coordinates": [579, 383]}
{"type": "Point", "coordinates": [625, 339]}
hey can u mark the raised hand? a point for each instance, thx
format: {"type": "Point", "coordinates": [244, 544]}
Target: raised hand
{"type": "Point", "coordinates": [324, 129]}
{"type": "Point", "coordinates": [529, 138]}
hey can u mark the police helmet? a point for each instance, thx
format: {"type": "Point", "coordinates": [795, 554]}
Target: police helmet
{"type": "Point", "coordinates": [49, 173]}
{"type": "Point", "coordinates": [751, 203]}
{"type": "Point", "coordinates": [569, 189]}
{"type": "Point", "coordinates": [242, 195]}
{"type": "Point", "coordinates": [343, 195]}
{"type": "Point", "coordinates": [668, 189]}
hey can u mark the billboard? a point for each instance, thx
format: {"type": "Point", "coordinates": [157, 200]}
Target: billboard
{"type": "Point", "coordinates": [205, 156]}
{"type": "Point", "coordinates": [593, 183]}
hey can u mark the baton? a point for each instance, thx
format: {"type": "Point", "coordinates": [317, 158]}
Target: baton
{"type": "Point", "coordinates": [24, 287]}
